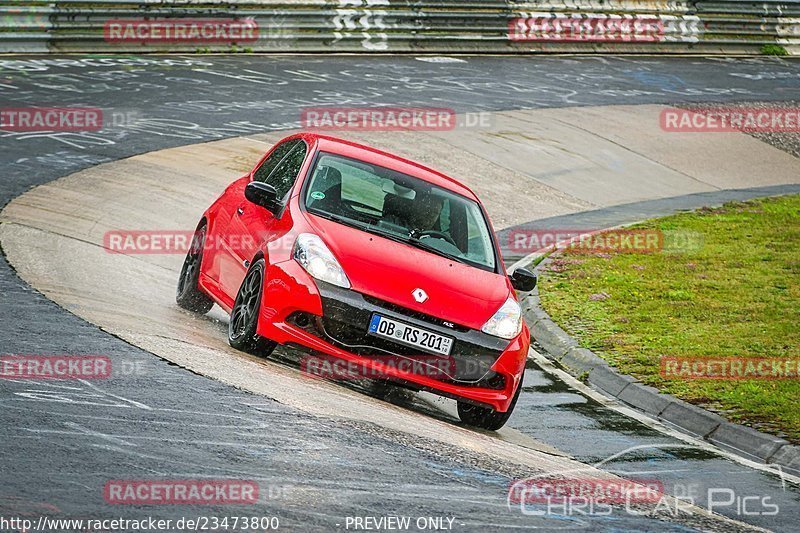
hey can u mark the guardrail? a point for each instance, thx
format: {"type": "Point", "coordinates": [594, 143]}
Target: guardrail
{"type": "Point", "coordinates": [491, 26]}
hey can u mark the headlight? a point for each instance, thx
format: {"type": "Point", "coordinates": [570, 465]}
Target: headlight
{"type": "Point", "coordinates": [317, 260]}
{"type": "Point", "coordinates": [506, 322]}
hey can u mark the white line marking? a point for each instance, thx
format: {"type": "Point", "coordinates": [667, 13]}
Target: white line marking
{"type": "Point", "coordinates": [101, 391]}
{"type": "Point", "coordinates": [547, 366]}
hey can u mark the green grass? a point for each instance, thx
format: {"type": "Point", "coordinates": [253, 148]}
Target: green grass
{"type": "Point", "coordinates": [735, 293]}
{"type": "Point", "coordinates": [774, 50]}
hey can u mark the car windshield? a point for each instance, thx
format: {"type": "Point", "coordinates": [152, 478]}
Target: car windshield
{"type": "Point", "coordinates": [400, 207]}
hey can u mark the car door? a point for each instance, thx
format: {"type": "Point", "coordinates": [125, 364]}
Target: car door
{"type": "Point", "coordinates": [252, 225]}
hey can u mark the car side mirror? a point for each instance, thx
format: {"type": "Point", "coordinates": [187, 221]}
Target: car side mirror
{"type": "Point", "coordinates": [262, 194]}
{"type": "Point", "coordinates": [523, 280]}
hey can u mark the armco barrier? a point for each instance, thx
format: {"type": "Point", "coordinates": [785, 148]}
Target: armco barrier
{"type": "Point", "coordinates": [490, 26]}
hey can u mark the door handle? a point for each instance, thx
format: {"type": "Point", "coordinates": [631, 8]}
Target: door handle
{"type": "Point", "coordinates": [240, 211]}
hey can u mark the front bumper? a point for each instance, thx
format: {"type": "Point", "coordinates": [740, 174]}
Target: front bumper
{"type": "Point", "coordinates": [321, 317]}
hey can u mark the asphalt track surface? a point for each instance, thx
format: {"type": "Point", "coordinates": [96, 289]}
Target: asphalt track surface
{"type": "Point", "coordinates": [62, 442]}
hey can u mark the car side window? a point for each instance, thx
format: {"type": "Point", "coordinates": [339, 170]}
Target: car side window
{"type": "Point", "coordinates": [285, 174]}
{"type": "Point", "coordinates": [277, 155]}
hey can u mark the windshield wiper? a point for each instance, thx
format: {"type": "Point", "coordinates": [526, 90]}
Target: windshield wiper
{"type": "Point", "coordinates": [413, 241]}
{"type": "Point", "coordinates": [338, 218]}
{"type": "Point", "coordinates": [389, 235]}
{"type": "Point", "coordinates": [427, 247]}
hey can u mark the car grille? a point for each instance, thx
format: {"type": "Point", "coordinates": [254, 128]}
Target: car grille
{"type": "Point", "coordinates": [345, 323]}
{"type": "Point", "coordinates": [414, 314]}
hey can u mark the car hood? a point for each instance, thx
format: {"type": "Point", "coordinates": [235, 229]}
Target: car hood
{"type": "Point", "coordinates": [392, 271]}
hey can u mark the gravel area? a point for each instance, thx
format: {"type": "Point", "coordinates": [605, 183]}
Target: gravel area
{"type": "Point", "coordinates": [788, 142]}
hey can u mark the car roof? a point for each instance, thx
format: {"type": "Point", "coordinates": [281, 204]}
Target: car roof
{"type": "Point", "coordinates": [368, 154]}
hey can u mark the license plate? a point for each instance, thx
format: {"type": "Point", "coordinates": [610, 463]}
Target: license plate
{"type": "Point", "coordinates": [409, 335]}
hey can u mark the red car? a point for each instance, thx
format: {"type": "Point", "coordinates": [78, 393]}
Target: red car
{"type": "Point", "coordinates": [360, 256]}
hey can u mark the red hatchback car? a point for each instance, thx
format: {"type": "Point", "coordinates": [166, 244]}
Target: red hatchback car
{"type": "Point", "coordinates": [343, 250]}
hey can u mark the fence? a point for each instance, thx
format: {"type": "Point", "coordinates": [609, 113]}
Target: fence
{"type": "Point", "coordinates": [397, 26]}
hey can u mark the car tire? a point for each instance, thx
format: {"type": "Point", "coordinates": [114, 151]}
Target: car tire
{"type": "Point", "coordinates": [486, 417]}
{"type": "Point", "coordinates": [244, 315]}
{"type": "Point", "coordinates": [188, 294]}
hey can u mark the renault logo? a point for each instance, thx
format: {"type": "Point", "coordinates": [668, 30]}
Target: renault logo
{"type": "Point", "coordinates": [420, 295]}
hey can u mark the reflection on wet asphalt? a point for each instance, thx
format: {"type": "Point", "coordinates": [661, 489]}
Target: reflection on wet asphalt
{"type": "Point", "coordinates": [550, 411]}
{"type": "Point", "coordinates": [334, 471]}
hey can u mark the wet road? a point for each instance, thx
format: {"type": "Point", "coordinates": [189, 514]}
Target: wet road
{"type": "Point", "coordinates": [597, 435]}
{"type": "Point", "coordinates": [62, 443]}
